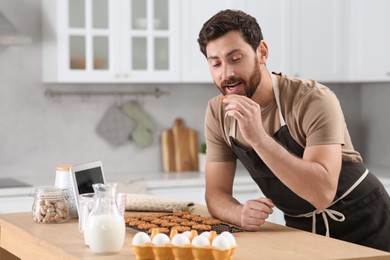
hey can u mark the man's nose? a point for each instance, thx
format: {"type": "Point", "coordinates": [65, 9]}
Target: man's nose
{"type": "Point", "coordinates": [227, 72]}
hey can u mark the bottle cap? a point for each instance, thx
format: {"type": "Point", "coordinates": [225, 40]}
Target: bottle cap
{"type": "Point", "coordinates": [64, 168]}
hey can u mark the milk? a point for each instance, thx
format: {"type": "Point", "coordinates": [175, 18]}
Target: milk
{"type": "Point", "coordinates": [105, 233]}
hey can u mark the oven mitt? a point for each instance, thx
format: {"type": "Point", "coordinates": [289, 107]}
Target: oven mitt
{"type": "Point", "coordinates": [145, 128]}
{"type": "Point", "coordinates": [115, 126]}
{"type": "Point", "coordinates": [147, 202]}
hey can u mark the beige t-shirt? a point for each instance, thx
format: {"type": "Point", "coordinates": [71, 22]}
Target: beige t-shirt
{"type": "Point", "coordinates": [311, 111]}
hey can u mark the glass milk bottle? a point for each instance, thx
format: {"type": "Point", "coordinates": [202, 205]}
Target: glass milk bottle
{"type": "Point", "coordinates": [106, 226]}
{"type": "Point", "coordinates": [62, 180]}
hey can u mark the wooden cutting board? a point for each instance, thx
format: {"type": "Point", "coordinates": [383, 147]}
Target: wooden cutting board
{"type": "Point", "coordinates": [179, 148]}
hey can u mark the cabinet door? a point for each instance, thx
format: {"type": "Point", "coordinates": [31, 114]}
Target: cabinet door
{"type": "Point", "coordinates": [273, 18]}
{"type": "Point", "coordinates": [194, 14]}
{"type": "Point", "coordinates": [370, 40]}
{"type": "Point", "coordinates": [76, 40]}
{"type": "Point", "coordinates": [271, 15]}
{"type": "Point", "coordinates": [110, 40]}
{"type": "Point", "coordinates": [149, 41]}
{"type": "Point", "coordinates": [318, 39]}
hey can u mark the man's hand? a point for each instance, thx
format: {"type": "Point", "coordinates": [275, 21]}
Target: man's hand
{"type": "Point", "coordinates": [248, 116]}
{"type": "Point", "coordinates": [255, 212]}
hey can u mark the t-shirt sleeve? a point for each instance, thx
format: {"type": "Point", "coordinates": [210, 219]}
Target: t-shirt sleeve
{"type": "Point", "coordinates": [323, 120]}
{"type": "Point", "coordinates": [218, 149]}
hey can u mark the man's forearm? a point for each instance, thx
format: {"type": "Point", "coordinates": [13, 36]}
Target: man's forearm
{"type": "Point", "coordinates": [223, 206]}
{"type": "Point", "coordinates": [297, 173]}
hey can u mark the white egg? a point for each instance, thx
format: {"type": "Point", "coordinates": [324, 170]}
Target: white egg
{"type": "Point", "coordinates": [180, 240]}
{"type": "Point", "coordinates": [206, 234]}
{"type": "Point", "coordinates": [187, 233]}
{"type": "Point", "coordinates": [230, 237]}
{"type": "Point", "coordinates": [221, 242]}
{"type": "Point", "coordinates": [199, 241]}
{"type": "Point", "coordinates": [141, 238]}
{"type": "Point", "coordinates": [160, 239]}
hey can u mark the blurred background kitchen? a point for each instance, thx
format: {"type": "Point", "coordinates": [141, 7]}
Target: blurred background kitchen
{"type": "Point", "coordinates": [149, 48]}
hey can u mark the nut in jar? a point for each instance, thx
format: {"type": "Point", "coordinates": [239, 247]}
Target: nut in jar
{"type": "Point", "coordinates": [50, 205]}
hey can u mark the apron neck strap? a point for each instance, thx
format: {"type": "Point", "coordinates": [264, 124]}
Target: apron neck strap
{"type": "Point", "coordinates": [275, 86]}
{"type": "Point", "coordinates": [231, 131]}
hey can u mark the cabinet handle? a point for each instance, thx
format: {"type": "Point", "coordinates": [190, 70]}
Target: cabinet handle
{"type": "Point", "coordinates": [388, 74]}
{"type": "Point", "coordinates": [119, 75]}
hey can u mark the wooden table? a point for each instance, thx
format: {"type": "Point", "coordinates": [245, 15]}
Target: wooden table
{"type": "Point", "coordinates": [25, 239]}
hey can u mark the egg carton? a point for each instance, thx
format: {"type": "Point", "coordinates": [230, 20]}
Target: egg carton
{"type": "Point", "coordinates": [173, 251]}
{"type": "Point", "coordinates": [149, 252]}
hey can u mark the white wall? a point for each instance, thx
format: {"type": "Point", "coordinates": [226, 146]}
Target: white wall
{"type": "Point", "coordinates": [39, 132]}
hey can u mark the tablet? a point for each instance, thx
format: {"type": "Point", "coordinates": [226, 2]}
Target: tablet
{"type": "Point", "coordinates": [83, 176]}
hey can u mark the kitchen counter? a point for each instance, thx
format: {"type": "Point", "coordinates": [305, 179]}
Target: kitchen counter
{"type": "Point", "coordinates": [20, 199]}
{"type": "Point", "coordinates": [151, 180]}
{"type": "Point", "coordinates": [28, 240]}
{"type": "Point", "coordinates": [189, 186]}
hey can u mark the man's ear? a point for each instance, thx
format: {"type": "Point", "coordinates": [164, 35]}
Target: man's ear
{"type": "Point", "coordinates": [262, 51]}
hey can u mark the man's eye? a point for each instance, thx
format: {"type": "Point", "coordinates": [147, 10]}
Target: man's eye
{"type": "Point", "coordinates": [235, 59]}
{"type": "Point", "coordinates": [215, 64]}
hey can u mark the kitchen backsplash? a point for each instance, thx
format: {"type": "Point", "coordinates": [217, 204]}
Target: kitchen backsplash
{"type": "Point", "coordinates": [38, 132]}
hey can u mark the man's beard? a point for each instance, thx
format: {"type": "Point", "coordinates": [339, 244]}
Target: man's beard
{"type": "Point", "coordinates": [251, 87]}
{"type": "Point", "coordinates": [254, 80]}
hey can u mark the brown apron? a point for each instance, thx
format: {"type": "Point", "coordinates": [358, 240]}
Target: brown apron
{"type": "Point", "coordinates": [361, 210]}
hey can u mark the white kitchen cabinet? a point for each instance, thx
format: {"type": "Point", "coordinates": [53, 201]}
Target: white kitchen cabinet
{"type": "Point", "coordinates": [370, 40]}
{"type": "Point", "coordinates": [16, 204]}
{"type": "Point", "coordinates": [110, 40]}
{"type": "Point", "coordinates": [319, 39]}
{"type": "Point", "coordinates": [150, 41]}
{"type": "Point", "coordinates": [271, 15]}
{"type": "Point", "coordinates": [306, 38]}
{"type": "Point", "coordinates": [274, 20]}
{"type": "Point", "coordinates": [193, 15]}
{"type": "Point", "coordinates": [328, 41]}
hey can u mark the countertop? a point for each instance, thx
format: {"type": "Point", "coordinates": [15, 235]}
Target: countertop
{"type": "Point", "coordinates": [64, 241]}
{"type": "Point", "coordinates": [150, 180]}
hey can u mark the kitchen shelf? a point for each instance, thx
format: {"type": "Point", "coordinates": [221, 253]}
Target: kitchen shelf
{"type": "Point", "coordinates": [156, 92]}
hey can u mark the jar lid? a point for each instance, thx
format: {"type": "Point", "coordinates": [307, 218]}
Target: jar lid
{"type": "Point", "coordinates": [49, 191]}
{"type": "Point", "coordinates": [64, 168]}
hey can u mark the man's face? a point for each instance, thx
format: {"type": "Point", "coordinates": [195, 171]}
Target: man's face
{"type": "Point", "coordinates": [233, 64]}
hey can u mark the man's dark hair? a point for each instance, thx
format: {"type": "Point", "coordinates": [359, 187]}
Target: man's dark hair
{"type": "Point", "coordinates": [230, 20]}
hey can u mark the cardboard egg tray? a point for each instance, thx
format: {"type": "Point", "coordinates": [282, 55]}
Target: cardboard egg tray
{"type": "Point", "coordinates": [168, 252]}
{"type": "Point", "coordinates": [148, 220]}
{"type": "Point", "coordinates": [148, 251]}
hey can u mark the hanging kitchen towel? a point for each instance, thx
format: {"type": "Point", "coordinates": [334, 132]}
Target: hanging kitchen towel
{"type": "Point", "coordinates": [145, 129]}
{"type": "Point", "coordinates": [115, 126]}
{"type": "Point", "coordinates": [146, 202]}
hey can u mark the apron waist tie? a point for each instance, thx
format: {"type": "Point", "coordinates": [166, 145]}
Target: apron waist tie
{"type": "Point", "coordinates": [333, 214]}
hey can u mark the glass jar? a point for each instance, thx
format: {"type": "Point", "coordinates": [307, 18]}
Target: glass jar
{"type": "Point", "coordinates": [50, 205]}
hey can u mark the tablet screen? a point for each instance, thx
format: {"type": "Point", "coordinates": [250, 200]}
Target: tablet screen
{"type": "Point", "coordinates": [86, 178]}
